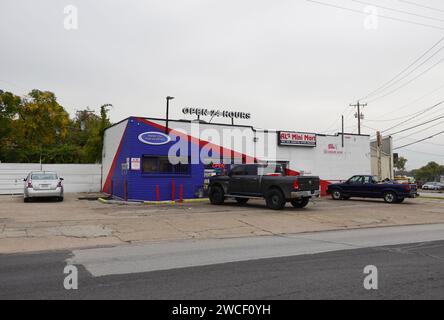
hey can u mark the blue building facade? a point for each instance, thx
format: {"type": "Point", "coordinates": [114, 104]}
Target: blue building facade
{"type": "Point", "coordinates": [141, 170]}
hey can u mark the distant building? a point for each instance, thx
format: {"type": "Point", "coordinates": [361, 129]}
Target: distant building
{"type": "Point", "coordinates": [382, 164]}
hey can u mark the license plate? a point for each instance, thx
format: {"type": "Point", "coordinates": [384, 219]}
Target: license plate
{"type": "Point", "coordinates": [44, 186]}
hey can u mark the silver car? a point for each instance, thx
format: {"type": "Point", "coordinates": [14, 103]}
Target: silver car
{"type": "Point", "coordinates": [43, 184]}
{"type": "Point", "coordinates": [433, 186]}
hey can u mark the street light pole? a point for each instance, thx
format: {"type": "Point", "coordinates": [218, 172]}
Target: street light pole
{"type": "Point", "coordinates": [168, 98]}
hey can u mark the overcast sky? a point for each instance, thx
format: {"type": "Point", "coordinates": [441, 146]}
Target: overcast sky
{"type": "Point", "coordinates": [294, 64]}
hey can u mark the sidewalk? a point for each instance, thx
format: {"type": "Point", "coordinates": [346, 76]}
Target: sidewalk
{"type": "Point", "coordinates": [77, 223]}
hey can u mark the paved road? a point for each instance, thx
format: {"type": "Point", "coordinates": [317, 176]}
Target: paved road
{"type": "Point", "coordinates": [410, 262]}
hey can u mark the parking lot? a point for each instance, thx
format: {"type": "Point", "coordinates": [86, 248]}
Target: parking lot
{"type": "Point", "coordinates": [74, 223]}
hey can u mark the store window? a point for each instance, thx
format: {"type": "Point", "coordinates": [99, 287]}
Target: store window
{"type": "Point", "coordinates": [163, 165]}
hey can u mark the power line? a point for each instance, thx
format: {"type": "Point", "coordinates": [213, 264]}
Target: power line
{"type": "Point", "coordinates": [399, 11]}
{"type": "Point", "coordinates": [408, 82]}
{"type": "Point", "coordinates": [380, 16]}
{"type": "Point", "coordinates": [413, 117]}
{"type": "Point", "coordinates": [414, 101]}
{"type": "Point", "coordinates": [418, 125]}
{"type": "Point", "coordinates": [403, 117]}
{"type": "Point", "coordinates": [421, 5]}
{"type": "Point", "coordinates": [395, 79]}
{"type": "Point", "coordinates": [431, 154]}
{"type": "Point", "coordinates": [420, 131]}
{"type": "Point", "coordinates": [338, 119]}
{"type": "Point", "coordinates": [418, 141]}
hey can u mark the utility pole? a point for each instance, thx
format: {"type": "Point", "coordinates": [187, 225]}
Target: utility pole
{"type": "Point", "coordinates": [379, 153]}
{"type": "Point", "coordinates": [360, 116]}
{"type": "Point", "coordinates": [342, 135]}
{"type": "Point", "coordinates": [167, 112]}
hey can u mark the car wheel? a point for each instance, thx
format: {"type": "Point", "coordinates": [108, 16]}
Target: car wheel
{"type": "Point", "coordinates": [242, 200]}
{"type": "Point", "coordinates": [300, 203]}
{"type": "Point", "coordinates": [25, 199]}
{"type": "Point", "coordinates": [390, 197]}
{"type": "Point", "coordinates": [275, 199]}
{"type": "Point", "coordinates": [60, 199]}
{"type": "Point", "coordinates": [336, 195]}
{"type": "Point", "coordinates": [217, 195]}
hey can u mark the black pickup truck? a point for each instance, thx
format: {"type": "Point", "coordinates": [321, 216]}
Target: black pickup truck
{"type": "Point", "coordinates": [263, 181]}
{"type": "Point", "coordinates": [365, 186]}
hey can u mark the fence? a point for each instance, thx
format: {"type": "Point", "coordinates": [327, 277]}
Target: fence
{"type": "Point", "coordinates": [77, 177]}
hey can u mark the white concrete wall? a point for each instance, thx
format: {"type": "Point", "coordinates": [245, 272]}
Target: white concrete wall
{"type": "Point", "coordinates": [77, 177]}
{"type": "Point", "coordinates": [328, 160]}
{"type": "Point", "coordinates": [111, 143]}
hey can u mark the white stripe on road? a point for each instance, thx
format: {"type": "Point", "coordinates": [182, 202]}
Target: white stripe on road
{"type": "Point", "coordinates": [189, 253]}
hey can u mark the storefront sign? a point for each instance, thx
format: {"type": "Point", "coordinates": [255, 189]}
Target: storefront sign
{"type": "Point", "coordinates": [216, 113]}
{"type": "Point", "coordinates": [154, 138]}
{"type": "Point", "coordinates": [135, 163]}
{"type": "Point", "coordinates": [288, 138]}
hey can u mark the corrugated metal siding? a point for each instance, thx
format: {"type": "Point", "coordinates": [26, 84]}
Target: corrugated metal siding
{"type": "Point", "coordinates": [78, 177]}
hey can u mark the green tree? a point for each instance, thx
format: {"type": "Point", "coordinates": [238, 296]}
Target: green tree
{"type": "Point", "coordinates": [87, 133]}
{"type": "Point", "coordinates": [429, 172]}
{"type": "Point", "coordinates": [400, 163]}
{"type": "Point", "coordinates": [36, 127]}
{"type": "Point", "coordinates": [9, 104]}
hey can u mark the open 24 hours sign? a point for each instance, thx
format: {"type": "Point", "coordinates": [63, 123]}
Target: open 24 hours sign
{"type": "Point", "coordinates": [302, 139]}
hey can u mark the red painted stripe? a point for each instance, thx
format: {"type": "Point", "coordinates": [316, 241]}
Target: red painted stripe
{"type": "Point", "coordinates": [200, 143]}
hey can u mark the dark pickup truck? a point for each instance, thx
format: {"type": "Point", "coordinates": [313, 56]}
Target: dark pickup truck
{"type": "Point", "coordinates": [263, 181]}
{"type": "Point", "coordinates": [364, 186]}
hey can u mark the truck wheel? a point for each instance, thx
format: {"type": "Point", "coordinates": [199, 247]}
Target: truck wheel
{"type": "Point", "coordinates": [217, 195]}
{"type": "Point", "coordinates": [242, 200]}
{"type": "Point", "coordinates": [390, 197]}
{"type": "Point", "coordinates": [275, 199]}
{"type": "Point", "coordinates": [336, 195]}
{"type": "Point", "coordinates": [300, 203]}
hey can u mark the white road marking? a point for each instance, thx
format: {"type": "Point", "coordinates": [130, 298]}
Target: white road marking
{"type": "Point", "coordinates": [189, 253]}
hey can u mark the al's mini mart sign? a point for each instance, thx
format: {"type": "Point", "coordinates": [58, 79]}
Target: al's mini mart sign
{"type": "Point", "coordinates": [302, 139]}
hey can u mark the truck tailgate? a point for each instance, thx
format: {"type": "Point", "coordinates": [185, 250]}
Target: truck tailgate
{"type": "Point", "coordinates": [308, 183]}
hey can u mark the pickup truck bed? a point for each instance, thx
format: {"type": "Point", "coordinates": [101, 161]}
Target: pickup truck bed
{"type": "Point", "coordinates": [245, 182]}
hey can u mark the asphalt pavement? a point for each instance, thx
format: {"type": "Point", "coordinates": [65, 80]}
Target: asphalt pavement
{"type": "Point", "coordinates": [324, 265]}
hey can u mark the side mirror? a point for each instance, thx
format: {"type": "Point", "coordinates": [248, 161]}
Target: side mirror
{"type": "Point", "coordinates": [62, 179]}
{"type": "Point", "coordinates": [24, 179]}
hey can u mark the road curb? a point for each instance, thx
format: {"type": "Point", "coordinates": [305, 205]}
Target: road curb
{"type": "Point", "coordinates": [168, 202]}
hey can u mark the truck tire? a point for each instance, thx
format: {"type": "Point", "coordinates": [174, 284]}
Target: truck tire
{"type": "Point", "coordinates": [336, 195]}
{"type": "Point", "coordinates": [300, 203]}
{"type": "Point", "coordinates": [390, 197]}
{"type": "Point", "coordinates": [242, 200]}
{"type": "Point", "coordinates": [275, 199]}
{"type": "Point", "coordinates": [216, 195]}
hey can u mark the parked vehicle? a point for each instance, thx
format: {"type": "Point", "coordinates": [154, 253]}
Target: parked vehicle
{"type": "Point", "coordinates": [43, 184]}
{"type": "Point", "coordinates": [365, 186]}
{"type": "Point", "coordinates": [433, 186]}
{"type": "Point", "coordinates": [247, 181]}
